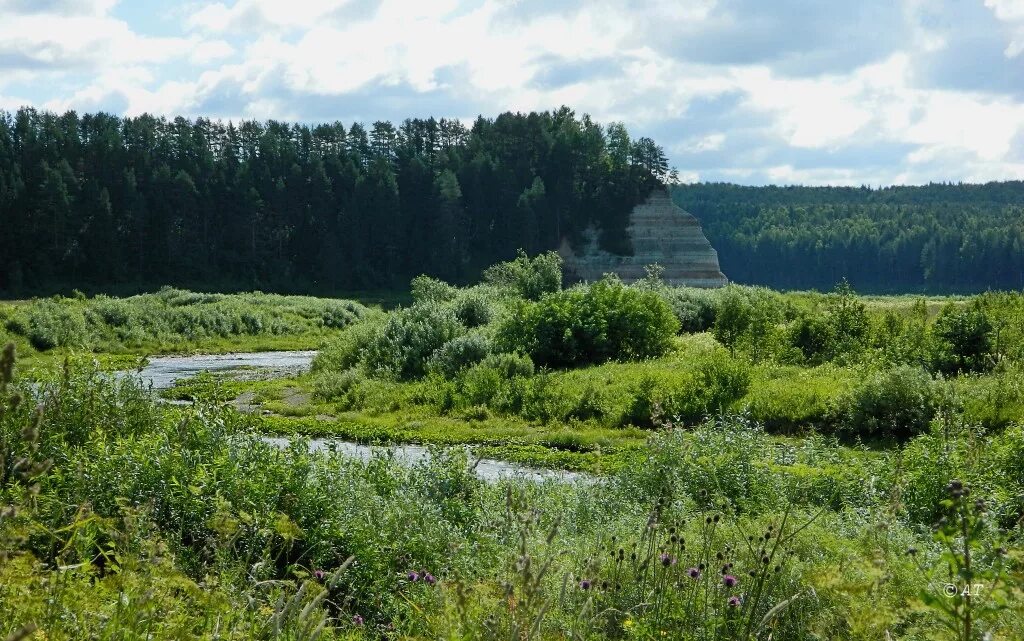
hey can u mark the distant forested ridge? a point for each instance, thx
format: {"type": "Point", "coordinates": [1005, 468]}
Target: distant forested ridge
{"type": "Point", "coordinates": [938, 237]}
{"type": "Point", "coordinates": [98, 201]}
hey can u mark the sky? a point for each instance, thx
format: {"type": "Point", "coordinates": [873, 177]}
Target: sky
{"type": "Point", "coordinates": [866, 92]}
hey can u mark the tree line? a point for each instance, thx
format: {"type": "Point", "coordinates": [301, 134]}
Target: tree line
{"type": "Point", "coordinates": [97, 201]}
{"type": "Point", "coordinates": [937, 237]}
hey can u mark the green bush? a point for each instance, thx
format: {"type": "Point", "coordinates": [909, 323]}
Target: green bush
{"type": "Point", "coordinates": [474, 307]}
{"type": "Point", "coordinates": [694, 308]}
{"type": "Point", "coordinates": [962, 339]}
{"type": "Point", "coordinates": [409, 337]}
{"type": "Point", "coordinates": [347, 350]}
{"type": "Point", "coordinates": [497, 381]}
{"type": "Point", "coordinates": [530, 278]}
{"type": "Point", "coordinates": [898, 402]}
{"type": "Point", "coordinates": [426, 289]}
{"type": "Point", "coordinates": [51, 323]}
{"type": "Point", "coordinates": [601, 322]}
{"type": "Point", "coordinates": [993, 400]}
{"type": "Point", "coordinates": [458, 354]}
{"type": "Point", "coordinates": [702, 390]}
{"type": "Point", "coordinates": [793, 398]}
{"type": "Point", "coordinates": [810, 333]}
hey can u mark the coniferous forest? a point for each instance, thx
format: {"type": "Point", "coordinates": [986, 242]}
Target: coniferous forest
{"type": "Point", "coordinates": [97, 201]}
{"type": "Point", "coordinates": [938, 237]}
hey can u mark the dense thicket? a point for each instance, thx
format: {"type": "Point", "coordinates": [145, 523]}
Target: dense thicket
{"type": "Point", "coordinates": [97, 200]}
{"type": "Point", "coordinates": [939, 237]}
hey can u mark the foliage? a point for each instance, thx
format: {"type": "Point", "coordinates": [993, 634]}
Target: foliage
{"type": "Point", "coordinates": [96, 201]}
{"type": "Point", "coordinates": [529, 278]}
{"type": "Point", "coordinates": [458, 354]}
{"type": "Point", "coordinates": [174, 318]}
{"type": "Point", "coordinates": [603, 321]}
{"type": "Point", "coordinates": [963, 339]}
{"type": "Point", "coordinates": [936, 237]}
{"type": "Point", "coordinates": [898, 403]}
{"type": "Point", "coordinates": [404, 342]}
{"type": "Point", "coordinates": [134, 519]}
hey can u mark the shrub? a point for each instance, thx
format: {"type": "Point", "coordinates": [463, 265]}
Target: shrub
{"type": "Point", "coordinates": [427, 289]}
{"type": "Point", "coordinates": [333, 385]}
{"type": "Point", "coordinates": [733, 317]}
{"type": "Point", "coordinates": [530, 278]}
{"type": "Point", "coordinates": [810, 334]}
{"type": "Point", "coordinates": [604, 321]}
{"type": "Point", "coordinates": [339, 314]}
{"type": "Point", "coordinates": [458, 354]}
{"type": "Point", "coordinates": [498, 376]}
{"type": "Point", "coordinates": [408, 338]}
{"type": "Point", "coordinates": [993, 400]}
{"type": "Point", "coordinates": [962, 339]}
{"type": "Point", "coordinates": [848, 324]}
{"type": "Point", "coordinates": [113, 311]}
{"type": "Point", "coordinates": [694, 308]}
{"type": "Point", "coordinates": [690, 395]}
{"type": "Point", "coordinates": [49, 323]}
{"type": "Point", "coordinates": [474, 307]}
{"type": "Point", "coordinates": [347, 350]}
{"type": "Point", "coordinates": [898, 402]}
{"type": "Point", "coordinates": [793, 398]}
{"type": "Point", "coordinates": [509, 365]}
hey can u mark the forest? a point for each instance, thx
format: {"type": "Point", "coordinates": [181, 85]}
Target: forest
{"type": "Point", "coordinates": [109, 204]}
{"type": "Point", "coordinates": [98, 202]}
{"type": "Point", "coordinates": [935, 238]}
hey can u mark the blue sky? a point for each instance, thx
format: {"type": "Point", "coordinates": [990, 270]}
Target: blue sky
{"type": "Point", "coordinates": [871, 92]}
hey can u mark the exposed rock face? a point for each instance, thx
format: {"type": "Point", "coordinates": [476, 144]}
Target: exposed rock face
{"type": "Point", "coordinates": [660, 232]}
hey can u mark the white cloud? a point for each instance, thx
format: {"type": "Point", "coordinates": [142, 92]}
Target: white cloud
{"type": "Point", "coordinates": [710, 142]}
{"type": "Point", "coordinates": [1010, 12]}
{"type": "Point", "coordinates": [57, 7]}
{"type": "Point", "coordinates": [264, 14]}
{"type": "Point", "coordinates": [208, 51]}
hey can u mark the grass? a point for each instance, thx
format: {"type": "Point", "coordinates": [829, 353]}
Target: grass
{"type": "Point", "coordinates": [133, 519]}
{"type": "Point", "coordinates": [171, 321]}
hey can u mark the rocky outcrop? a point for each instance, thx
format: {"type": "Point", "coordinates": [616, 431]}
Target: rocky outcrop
{"type": "Point", "coordinates": [660, 232]}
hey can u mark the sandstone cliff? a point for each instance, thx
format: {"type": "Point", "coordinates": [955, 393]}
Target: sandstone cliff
{"type": "Point", "coordinates": [660, 232]}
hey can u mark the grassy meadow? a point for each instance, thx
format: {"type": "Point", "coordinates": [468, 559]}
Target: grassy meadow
{"type": "Point", "coordinates": [759, 465]}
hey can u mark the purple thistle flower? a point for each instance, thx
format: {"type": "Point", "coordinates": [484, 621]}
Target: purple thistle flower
{"type": "Point", "coordinates": [585, 584]}
{"type": "Point", "coordinates": [734, 602]}
{"type": "Point", "coordinates": [729, 580]}
{"type": "Point", "coordinates": [357, 620]}
{"type": "Point", "coordinates": [429, 579]}
{"type": "Point", "coordinates": [413, 576]}
{"type": "Point", "coordinates": [694, 573]}
{"type": "Point", "coordinates": [667, 559]}
{"type": "Point", "coordinates": [319, 574]}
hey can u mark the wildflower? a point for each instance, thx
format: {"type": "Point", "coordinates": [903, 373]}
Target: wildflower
{"type": "Point", "coordinates": [729, 580]}
{"type": "Point", "coordinates": [413, 576]}
{"type": "Point", "coordinates": [734, 602]}
{"type": "Point", "coordinates": [357, 620]}
{"type": "Point", "coordinates": [319, 574]}
{"type": "Point", "coordinates": [667, 559]}
{"type": "Point", "coordinates": [627, 624]}
{"type": "Point", "coordinates": [585, 584]}
{"type": "Point", "coordinates": [429, 579]}
{"type": "Point", "coordinates": [956, 488]}
{"type": "Point", "coordinates": [694, 573]}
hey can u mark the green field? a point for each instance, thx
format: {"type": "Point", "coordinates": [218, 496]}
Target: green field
{"type": "Point", "coordinates": [759, 465]}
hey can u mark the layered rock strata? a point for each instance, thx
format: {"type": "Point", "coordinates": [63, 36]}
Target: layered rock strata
{"type": "Point", "coordinates": [660, 232]}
